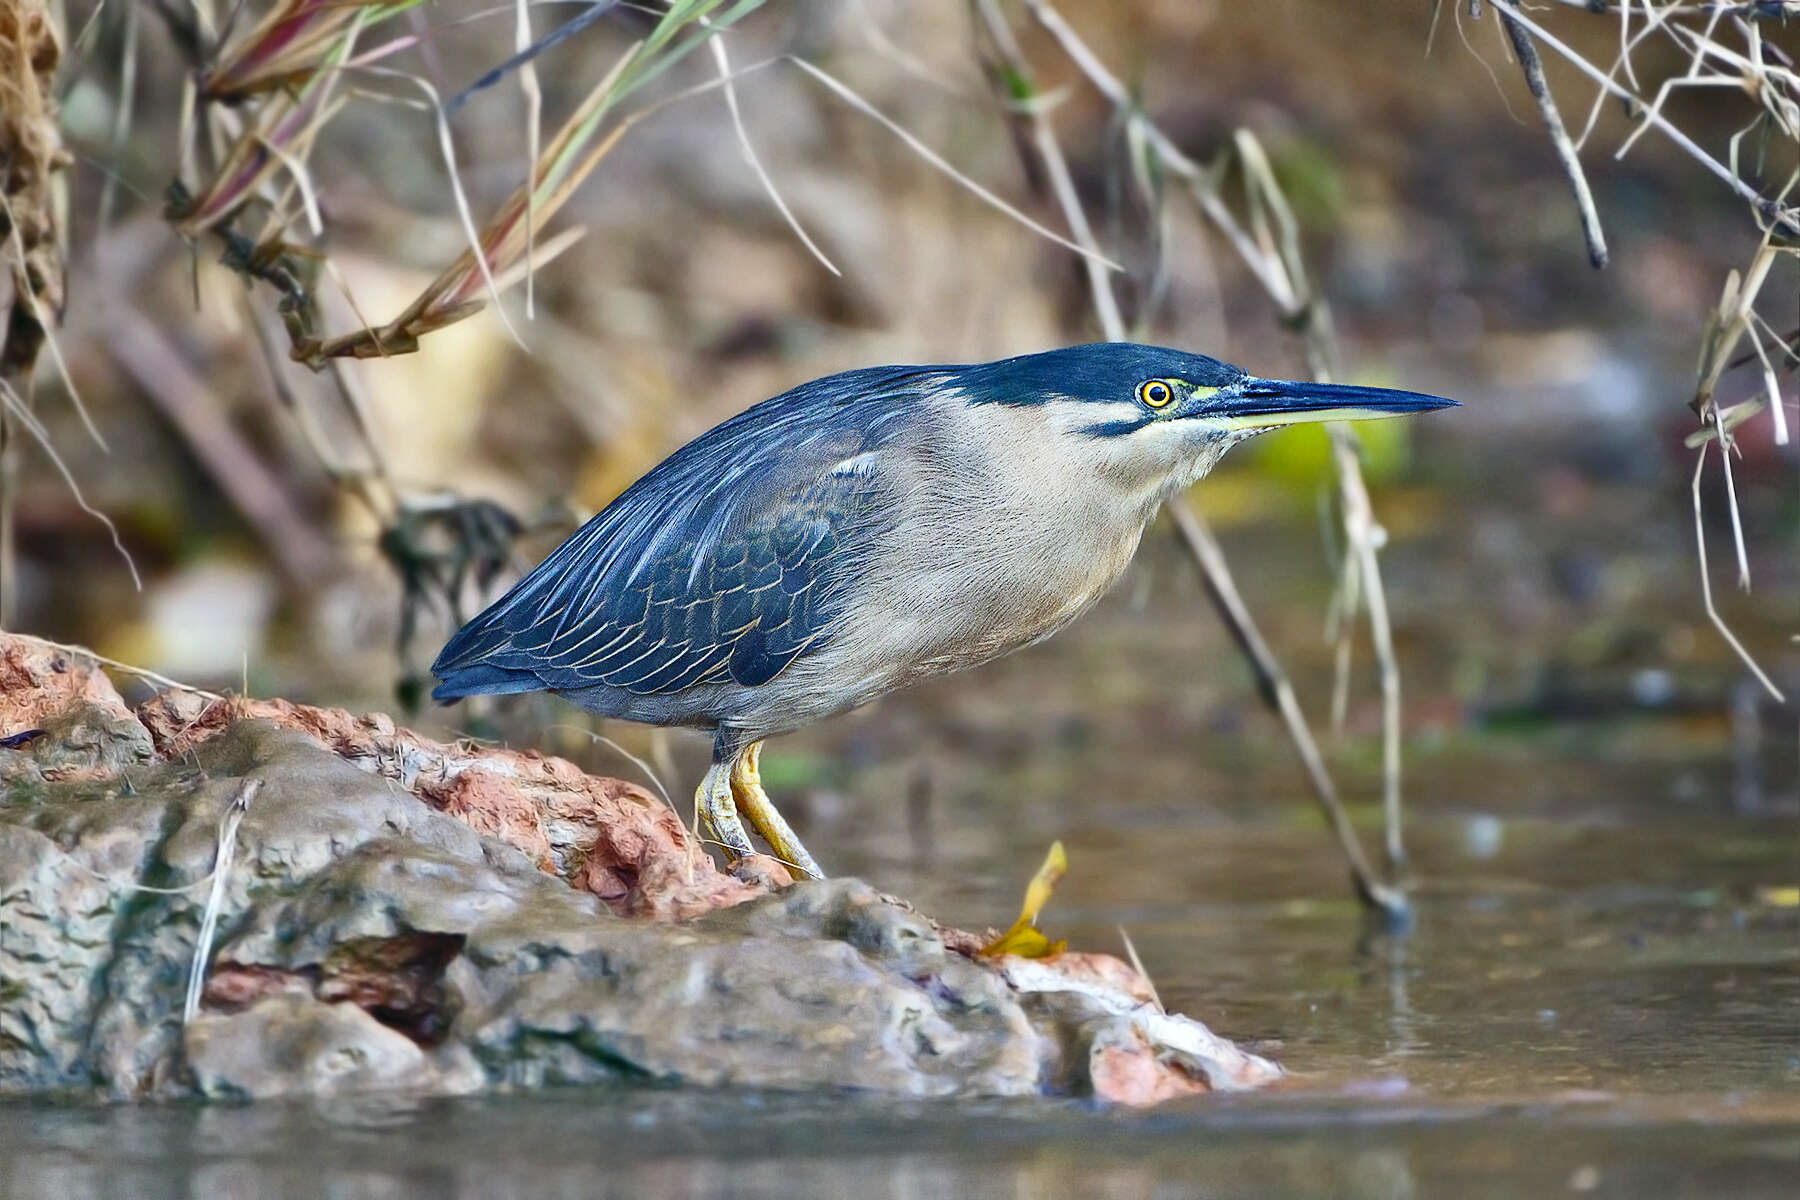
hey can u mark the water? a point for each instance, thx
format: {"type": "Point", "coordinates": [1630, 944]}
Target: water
{"type": "Point", "coordinates": [667, 1143]}
{"type": "Point", "coordinates": [1600, 995]}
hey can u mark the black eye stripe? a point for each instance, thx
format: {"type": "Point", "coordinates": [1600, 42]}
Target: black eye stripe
{"type": "Point", "coordinates": [1112, 429]}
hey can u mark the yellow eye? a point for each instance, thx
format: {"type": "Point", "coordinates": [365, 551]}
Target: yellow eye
{"type": "Point", "coordinates": [1155, 393]}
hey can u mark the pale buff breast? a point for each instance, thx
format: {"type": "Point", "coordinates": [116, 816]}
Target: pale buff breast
{"type": "Point", "coordinates": [1003, 534]}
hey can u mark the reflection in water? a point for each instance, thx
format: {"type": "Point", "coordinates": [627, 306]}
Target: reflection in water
{"type": "Point", "coordinates": [651, 1143]}
{"type": "Point", "coordinates": [1388, 949]}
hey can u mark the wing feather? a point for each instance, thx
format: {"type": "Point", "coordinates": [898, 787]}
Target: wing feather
{"type": "Point", "coordinates": [731, 558]}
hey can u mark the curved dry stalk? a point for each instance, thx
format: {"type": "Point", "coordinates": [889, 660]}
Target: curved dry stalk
{"type": "Point", "coordinates": [1712, 612]}
{"type": "Point", "coordinates": [723, 60]}
{"type": "Point", "coordinates": [12, 402]}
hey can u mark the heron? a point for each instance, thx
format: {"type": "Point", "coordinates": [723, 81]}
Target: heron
{"type": "Point", "coordinates": [863, 532]}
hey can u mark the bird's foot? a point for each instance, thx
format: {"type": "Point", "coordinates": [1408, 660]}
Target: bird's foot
{"type": "Point", "coordinates": [760, 811]}
{"type": "Point", "coordinates": [717, 808]}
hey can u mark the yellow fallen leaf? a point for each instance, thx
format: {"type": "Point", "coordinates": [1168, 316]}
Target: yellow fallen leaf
{"type": "Point", "coordinates": [1779, 897]}
{"type": "Point", "coordinates": [1024, 939]}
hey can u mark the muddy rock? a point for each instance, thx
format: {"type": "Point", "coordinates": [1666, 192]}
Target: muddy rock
{"type": "Point", "coordinates": [61, 718]}
{"type": "Point", "coordinates": [395, 913]}
{"type": "Point", "coordinates": [292, 1044]}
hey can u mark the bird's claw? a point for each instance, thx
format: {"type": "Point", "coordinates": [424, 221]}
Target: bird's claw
{"type": "Point", "coordinates": [760, 811]}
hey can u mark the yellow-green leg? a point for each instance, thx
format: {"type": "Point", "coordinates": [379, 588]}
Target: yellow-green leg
{"type": "Point", "coordinates": [759, 810]}
{"type": "Point", "coordinates": [716, 807]}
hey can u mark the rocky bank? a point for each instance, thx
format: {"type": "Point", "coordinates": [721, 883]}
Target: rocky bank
{"type": "Point", "coordinates": [397, 913]}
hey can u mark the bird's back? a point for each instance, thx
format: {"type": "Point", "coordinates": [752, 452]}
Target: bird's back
{"type": "Point", "coordinates": [709, 576]}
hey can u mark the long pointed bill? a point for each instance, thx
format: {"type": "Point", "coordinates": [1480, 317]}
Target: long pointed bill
{"type": "Point", "coordinates": [1271, 403]}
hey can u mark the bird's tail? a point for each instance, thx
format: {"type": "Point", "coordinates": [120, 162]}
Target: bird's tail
{"type": "Point", "coordinates": [482, 679]}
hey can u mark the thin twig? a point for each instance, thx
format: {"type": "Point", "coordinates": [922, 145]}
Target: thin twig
{"type": "Point", "coordinates": [1279, 693]}
{"type": "Point", "coordinates": [1533, 67]}
{"type": "Point", "coordinates": [1056, 167]}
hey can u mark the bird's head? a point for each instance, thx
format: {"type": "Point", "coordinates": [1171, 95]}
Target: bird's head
{"type": "Point", "coordinates": [1155, 418]}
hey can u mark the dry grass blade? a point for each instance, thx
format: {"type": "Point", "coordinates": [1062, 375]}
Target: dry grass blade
{"type": "Point", "coordinates": [288, 46]}
{"type": "Point", "coordinates": [1366, 537]}
{"type": "Point", "coordinates": [280, 135]}
{"type": "Point", "coordinates": [113, 664]}
{"type": "Point", "coordinates": [1731, 320]}
{"type": "Point", "coordinates": [1137, 964]}
{"type": "Point", "coordinates": [1345, 602]}
{"type": "Point", "coordinates": [508, 238]}
{"type": "Point", "coordinates": [526, 51]}
{"type": "Point", "coordinates": [455, 293]}
{"type": "Point", "coordinates": [534, 121]}
{"type": "Point", "coordinates": [402, 335]}
{"type": "Point", "coordinates": [1726, 446]}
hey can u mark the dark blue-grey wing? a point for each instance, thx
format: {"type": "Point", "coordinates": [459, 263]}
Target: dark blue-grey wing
{"type": "Point", "coordinates": [729, 560]}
